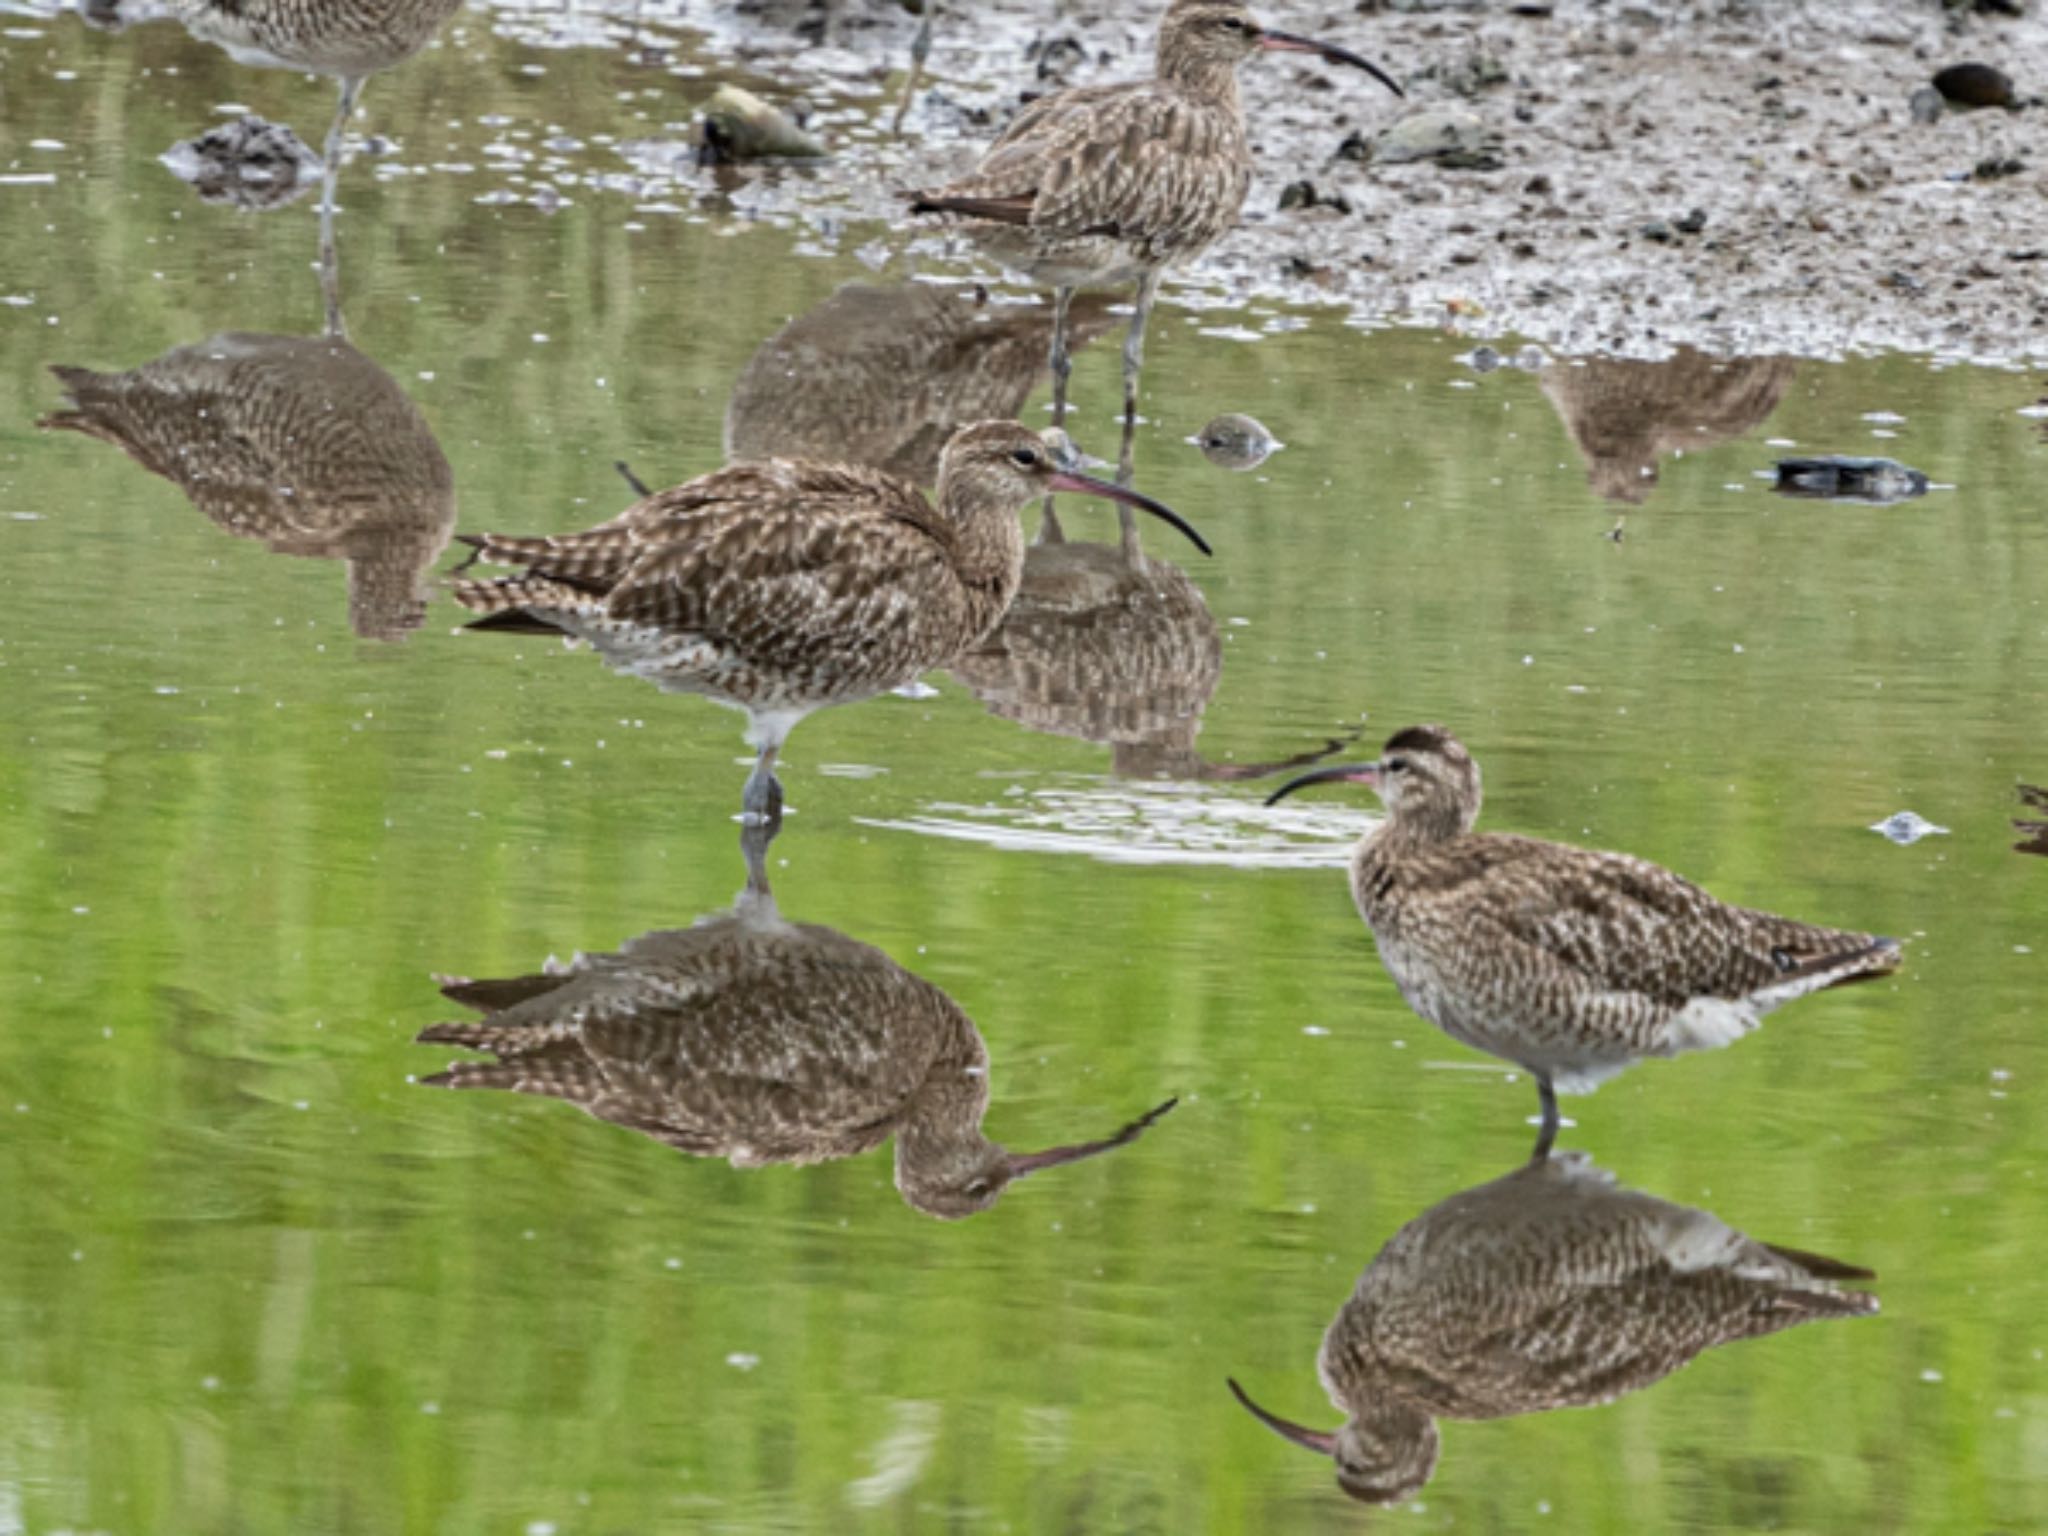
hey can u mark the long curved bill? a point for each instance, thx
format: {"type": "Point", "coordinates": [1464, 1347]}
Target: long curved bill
{"type": "Point", "coordinates": [1088, 485]}
{"type": "Point", "coordinates": [1289, 42]}
{"type": "Point", "coordinates": [1032, 1162]}
{"type": "Point", "coordinates": [1322, 1441]}
{"type": "Point", "coordinates": [1343, 773]}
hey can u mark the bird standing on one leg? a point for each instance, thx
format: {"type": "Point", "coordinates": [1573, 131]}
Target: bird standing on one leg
{"type": "Point", "coordinates": [1571, 963]}
{"type": "Point", "coordinates": [1112, 184]}
{"type": "Point", "coordinates": [782, 587]}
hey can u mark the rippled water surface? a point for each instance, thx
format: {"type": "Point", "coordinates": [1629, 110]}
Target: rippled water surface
{"type": "Point", "coordinates": [256, 1279]}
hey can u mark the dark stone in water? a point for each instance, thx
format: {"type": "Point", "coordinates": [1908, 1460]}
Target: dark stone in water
{"type": "Point", "coordinates": [1846, 479]}
{"type": "Point", "coordinates": [1974, 85]}
{"type": "Point", "coordinates": [246, 163]}
{"type": "Point", "coordinates": [2034, 798]}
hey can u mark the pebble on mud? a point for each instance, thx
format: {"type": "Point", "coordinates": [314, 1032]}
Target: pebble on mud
{"type": "Point", "coordinates": [247, 163]}
{"type": "Point", "coordinates": [738, 125]}
{"type": "Point", "coordinates": [1234, 441]}
{"type": "Point", "coordinates": [1876, 481]}
{"type": "Point", "coordinates": [1975, 85]}
{"type": "Point", "coordinates": [1454, 138]}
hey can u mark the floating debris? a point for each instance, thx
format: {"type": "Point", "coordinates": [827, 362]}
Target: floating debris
{"type": "Point", "coordinates": [1906, 828]}
{"type": "Point", "coordinates": [247, 163]}
{"type": "Point", "coordinates": [738, 125]}
{"type": "Point", "coordinates": [1234, 441]}
{"type": "Point", "coordinates": [1834, 477]}
{"type": "Point", "coordinates": [2034, 798]}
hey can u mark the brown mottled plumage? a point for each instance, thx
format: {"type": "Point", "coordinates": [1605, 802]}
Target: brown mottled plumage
{"type": "Point", "coordinates": [1111, 646]}
{"type": "Point", "coordinates": [1571, 963]}
{"type": "Point", "coordinates": [1624, 415]}
{"type": "Point", "coordinates": [784, 587]}
{"type": "Point", "coordinates": [1550, 1288]}
{"type": "Point", "coordinates": [301, 442]}
{"type": "Point", "coordinates": [884, 376]}
{"type": "Point", "coordinates": [758, 1040]}
{"type": "Point", "coordinates": [1111, 184]}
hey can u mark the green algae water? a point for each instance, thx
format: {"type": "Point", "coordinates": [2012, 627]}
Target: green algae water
{"type": "Point", "coordinates": [255, 1279]}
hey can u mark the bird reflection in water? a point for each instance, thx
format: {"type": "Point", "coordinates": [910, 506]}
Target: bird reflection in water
{"type": "Point", "coordinates": [301, 442]}
{"type": "Point", "coordinates": [1624, 415]}
{"type": "Point", "coordinates": [752, 1038]}
{"type": "Point", "coordinates": [1549, 1288]}
{"type": "Point", "coordinates": [2034, 798]}
{"type": "Point", "coordinates": [884, 375]}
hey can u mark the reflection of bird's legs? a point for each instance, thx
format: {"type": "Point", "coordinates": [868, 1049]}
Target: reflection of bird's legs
{"type": "Point", "coordinates": [639, 485]}
{"type": "Point", "coordinates": [1546, 1138]}
{"type": "Point", "coordinates": [1620, 526]}
{"type": "Point", "coordinates": [1134, 341]}
{"type": "Point", "coordinates": [755, 836]}
{"type": "Point", "coordinates": [1126, 470]}
{"type": "Point", "coordinates": [762, 798]}
{"type": "Point", "coordinates": [1062, 366]}
{"type": "Point", "coordinates": [330, 258]}
{"type": "Point", "coordinates": [920, 50]}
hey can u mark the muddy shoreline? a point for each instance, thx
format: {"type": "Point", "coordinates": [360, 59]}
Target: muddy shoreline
{"type": "Point", "coordinates": [1737, 177]}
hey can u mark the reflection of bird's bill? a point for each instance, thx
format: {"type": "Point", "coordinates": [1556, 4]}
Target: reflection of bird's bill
{"type": "Point", "coordinates": [1087, 485]}
{"type": "Point", "coordinates": [1344, 773]}
{"type": "Point", "coordinates": [1290, 42]}
{"type": "Point", "coordinates": [1321, 1441]}
{"type": "Point", "coordinates": [1033, 1162]}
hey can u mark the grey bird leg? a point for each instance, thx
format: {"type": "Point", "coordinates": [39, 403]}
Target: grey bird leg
{"type": "Point", "coordinates": [1049, 531]}
{"type": "Point", "coordinates": [1134, 340]}
{"type": "Point", "coordinates": [761, 800]}
{"type": "Point", "coordinates": [1546, 1138]}
{"type": "Point", "coordinates": [1126, 471]}
{"type": "Point", "coordinates": [330, 259]}
{"type": "Point", "coordinates": [639, 486]}
{"type": "Point", "coordinates": [755, 836]}
{"type": "Point", "coordinates": [920, 50]}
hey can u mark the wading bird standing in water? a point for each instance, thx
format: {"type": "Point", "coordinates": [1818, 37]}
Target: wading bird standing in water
{"type": "Point", "coordinates": [785, 586]}
{"type": "Point", "coordinates": [1112, 184]}
{"type": "Point", "coordinates": [1570, 963]}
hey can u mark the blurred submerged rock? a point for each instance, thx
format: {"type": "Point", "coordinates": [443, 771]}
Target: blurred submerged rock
{"type": "Point", "coordinates": [2034, 798]}
{"type": "Point", "coordinates": [246, 163]}
{"type": "Point", "coordinates": [1233, 441]}
{"type": "Point", "coordinates": [738, 125]}
{"type": "Point", "coordinates": [1845, 479]}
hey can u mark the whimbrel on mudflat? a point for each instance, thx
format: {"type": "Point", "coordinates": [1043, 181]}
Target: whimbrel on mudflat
{"type": "Point", "coordinates": [1550, 1288]}
{"type": "Point", "coordinates": [1571, 963]}
{"type": "Point", "coordinates": [1112, 184]}
{"type": "Point", "coordinates": [759, 1040]}
{"type": "Point", "coordinates": [783, 587]}
{"type": "Point", "coordinates": [302, 442]}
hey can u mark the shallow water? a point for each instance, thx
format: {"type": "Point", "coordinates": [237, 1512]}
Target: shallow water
{"type": "Point", "coordinates": [259, 1281]}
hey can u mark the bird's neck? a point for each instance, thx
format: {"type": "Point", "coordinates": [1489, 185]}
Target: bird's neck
{"type": "Point", "coordinates": [1212, 81]}
{"type": "Point", "coordinates": [989, 556]}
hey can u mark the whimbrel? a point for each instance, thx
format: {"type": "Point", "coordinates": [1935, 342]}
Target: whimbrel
{"type": "Point", "coordinates": [302, 442]}
{"type": "Point", "coordinates": [1113, 184]}
{"type": "Point", "coordinates": [885, 375]}
{"type": "Point", "coordinates": [783, 587]}
{"type": "Point", "coordinates": [759, 1040]}
{"type": "Point", "coordinates": [1550, 1288]}
{"type": "Point", "coordinates": [350, 40]}
{"type": "Point", "coordinates": [1570, 963]}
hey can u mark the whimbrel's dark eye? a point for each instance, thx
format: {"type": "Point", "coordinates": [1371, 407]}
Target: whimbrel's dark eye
{"type": "Point", "coordinates": [1234, 23]}
{"type": "Point", "coordinates": [1397, 765]}
{"type": "Point", "coordinates": [977, 1189]}
{"type": "Point", "coordinates": [1028, 457]}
